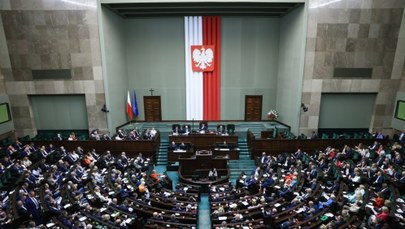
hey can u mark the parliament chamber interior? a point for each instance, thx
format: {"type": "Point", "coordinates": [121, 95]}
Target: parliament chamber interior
{"type": "Point", "coordinates": [202, 114]}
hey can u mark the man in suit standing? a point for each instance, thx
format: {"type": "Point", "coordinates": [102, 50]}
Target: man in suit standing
{"type": "Point", "coordinates": [33, 207]}
{"type": "Point", "coordinates": [22, 211]}
{"type": "Point", "coordinates": [264, 159]}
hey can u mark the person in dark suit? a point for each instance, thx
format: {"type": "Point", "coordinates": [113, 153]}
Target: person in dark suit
{"type": "Point", "coordinates": [176, 130]}
{"type": "Point", "coordinates": [65, 219]}
{"type": "Point", "coordinates": [173, 146]}
{"type": "Point", "coordinates": [401, 137]}
{"type": "Point", "coordinates": [334, 188]}
{"type": "Point", "coordinates": [314, 172]}
{"type": "Point", "coordinates": [106, 136]}
{"type": "Point", "coordinates": [379, 135]}
{"type": "Point", "coordinates": [213, 174]}
{"type": "Point", "coordinates": [203, 127]}
{"type": "Point", "coordinates": [58, 137]}
{"type": "Point", "coordinates": [264, 160]}
{"type": "Point", "coordinates": [221, 129]}
{"type": "Point", "coordinates": [186, 130]}
{"type": "Point", "coordinates": [22, 211]}
{"type": "Point", "coordinates": [10, 150]}
{"type": "Point", "coordinates": [314, 135]}
{"type": "Point", "coordinates": [402, 179]}
{"type": "Point", "coordinates": [386, 192]}
{"type": "Point", "coordinates": [173, 219]}
{"type": "Point", "coordinates": [379, 180]}
{"type": "Point", "coordinates": [182, 146]}
{"type": "Point", "coordinates": [374, 146]}
{"type": "Point", "coordinates": [94, 135]}
{"type": "Point", "coordinates": [33, 207]}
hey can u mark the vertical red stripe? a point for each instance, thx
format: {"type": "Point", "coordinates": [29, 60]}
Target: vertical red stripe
{"type": "Point", "coordinates": [212, 80]}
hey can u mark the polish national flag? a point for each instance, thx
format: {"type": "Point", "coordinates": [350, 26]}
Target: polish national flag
{"type": "Point", "coordinates": [129, 107]}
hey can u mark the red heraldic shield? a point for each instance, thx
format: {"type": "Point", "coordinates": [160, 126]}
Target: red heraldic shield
{"type": "Point", "coordinates": [203, 58]}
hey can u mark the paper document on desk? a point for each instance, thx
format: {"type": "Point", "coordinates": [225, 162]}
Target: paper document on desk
{"type": "Point", "coordinates": [223, 149]}
{"type": "Point", "coordinates": [128, 220]}
{"type": "Point", "coordinates": [300, 210]}
{"type": "Point", "coordinates": [81, 219]}
{"type": "Point", "coordinates": [222, 218]}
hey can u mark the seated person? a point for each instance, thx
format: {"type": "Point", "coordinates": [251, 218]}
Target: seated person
{"type": "Point", "coordinates": [94, 135]}
{"type": "Point", "coordinates": [183, 146]}
{"type": "Point", "coordinates": [221, 129]}
{"type": "Point", "coordinates": [230, 128]}
{"type": "Point", "coordinates": [213, 174]}
{"type": "Point", "coordinates": [203, 127]}
{"type": "Point", "coordinates": [173, 146]}
{"type": "Point", "coordinates": [223, 145]}
{"type": "Point", "coordinates": [72, 137]}
{"type": "Point", "coordinates": [155, 176]}
{"type": "Point", "coordinates": [58, 137]}
{"type": "Point", "coordinates": [176, 129]}
{"type": "Point", "coordinates": [186, 130]}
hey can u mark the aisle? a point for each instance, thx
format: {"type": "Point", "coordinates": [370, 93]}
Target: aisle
{"type": "Point", "coordinates": [204, 219]}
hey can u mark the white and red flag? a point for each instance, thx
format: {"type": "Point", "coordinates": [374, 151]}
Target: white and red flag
{"type": "Point", "coordinates": [202, 52]}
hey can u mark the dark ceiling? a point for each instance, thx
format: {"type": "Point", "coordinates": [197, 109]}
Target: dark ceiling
{"type": "Point", "coordinates": [131, 10]}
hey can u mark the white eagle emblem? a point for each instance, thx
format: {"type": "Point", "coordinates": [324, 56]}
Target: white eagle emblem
{"type": "Point", "coordinates": [203, 58]}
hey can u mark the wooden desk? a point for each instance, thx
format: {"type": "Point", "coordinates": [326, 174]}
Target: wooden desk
{"type": "Point", "coordinates": [174, 155]}
{"type": "Point", "coordinates": [199, 165]}
{"type": "Point", "coordinates": [204, 141]}
{"type": "Point", "coordinates": [276, 146]}
{"type": "Point", "coordinates": [232, 154]}
{"type": "Point", "coordinates": [202, 162]}
{"type": "Point", "coordinates": [148, 148]}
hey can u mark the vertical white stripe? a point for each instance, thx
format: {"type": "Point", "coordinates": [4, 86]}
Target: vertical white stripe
{"type": "Point", "coordinates": [194, 80]}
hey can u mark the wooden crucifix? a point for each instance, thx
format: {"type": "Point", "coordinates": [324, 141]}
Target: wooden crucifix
{"type": "Point", "coordinates": [151, 91]}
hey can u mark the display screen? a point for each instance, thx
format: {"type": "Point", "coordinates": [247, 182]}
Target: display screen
{"type": "Point", "coordinates": [5, 115]}
{"type": "Point", "coordinates": [400, 110]}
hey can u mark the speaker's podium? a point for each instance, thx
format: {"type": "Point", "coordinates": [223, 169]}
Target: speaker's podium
{"type": "Point", "coordinates": [195, 169]}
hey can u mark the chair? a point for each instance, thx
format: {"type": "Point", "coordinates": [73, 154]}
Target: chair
{"type": "Point", "coordinates": [230, 128]}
